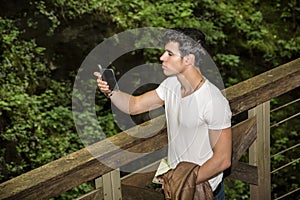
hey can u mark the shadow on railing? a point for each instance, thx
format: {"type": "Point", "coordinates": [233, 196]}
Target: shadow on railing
{"type": "Point", "coordinates": [252, 95]}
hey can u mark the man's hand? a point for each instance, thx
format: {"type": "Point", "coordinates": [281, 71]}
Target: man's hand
{"type": "Point", "coordinates": [103, 86]}
{"type": "Point", "coordinates": [161, 180]}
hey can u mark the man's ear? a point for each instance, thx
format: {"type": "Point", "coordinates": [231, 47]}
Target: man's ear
{"type": "Point", "coordinates": [190, 59]}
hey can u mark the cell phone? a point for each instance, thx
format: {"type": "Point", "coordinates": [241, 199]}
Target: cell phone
{"type": "Point", "coordinates": [108, 75]}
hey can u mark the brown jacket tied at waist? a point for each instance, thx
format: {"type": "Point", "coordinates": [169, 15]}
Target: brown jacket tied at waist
{"type": "Point", "coordinates": [180, 184]}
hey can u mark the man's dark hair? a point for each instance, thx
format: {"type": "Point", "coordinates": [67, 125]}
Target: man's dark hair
{"type": "Point", "coordinates": [191, 41]}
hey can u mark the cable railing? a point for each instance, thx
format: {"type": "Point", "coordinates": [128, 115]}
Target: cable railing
{"type": "Point", "coordinates": [288, 194]}
{"type": "Point", "coordinates": [285, 120]}
{"type": "Point", "coordinates": [285, 150]}
{"type": "Point", "coordinates": [291, 161]}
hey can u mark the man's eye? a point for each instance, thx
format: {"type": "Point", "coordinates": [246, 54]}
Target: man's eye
{"type": "Point", "coordinates": [170, 54]}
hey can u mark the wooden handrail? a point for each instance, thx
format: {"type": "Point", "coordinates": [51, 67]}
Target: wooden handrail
{"type": "Point", "coordinates": [263, 87]}
{"type": "Point", "coordinates": [81, 166]}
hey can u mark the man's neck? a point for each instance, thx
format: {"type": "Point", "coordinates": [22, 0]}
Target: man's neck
{"type": "Point", "coordinates": [191, 79]}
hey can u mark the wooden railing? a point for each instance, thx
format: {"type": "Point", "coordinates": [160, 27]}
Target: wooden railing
{"type": "Point", "coordinates": [252, 95]}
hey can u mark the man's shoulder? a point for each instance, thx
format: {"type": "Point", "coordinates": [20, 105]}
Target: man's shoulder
{"type": "Point", "coordinates": [213, 89]}
{"type": "Point", "coordinates": [171, 80]}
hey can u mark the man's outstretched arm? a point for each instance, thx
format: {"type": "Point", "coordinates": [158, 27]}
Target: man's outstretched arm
{"type": "Point", "coordinates": [128, 103]}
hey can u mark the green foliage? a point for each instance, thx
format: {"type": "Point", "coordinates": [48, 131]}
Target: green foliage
{"type": "Point", "coordinates": [251, 32]}
{"type": "Point", "coordinates": [20, 60]}
{"type": "Point", "coordinates": [36, 119]}
{"type": "Point", "coordinates": [229, 63]}
{"type": "Point", "coordinates": [76, 192]}
{"type": "Point", "coordinates": [33, 112]}
{"type": "Point", "coordinates": [236, 190]}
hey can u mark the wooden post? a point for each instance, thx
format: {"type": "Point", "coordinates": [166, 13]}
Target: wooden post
{"type": "Point", "coordinates": [259, 152]}
{"type": "Point", "coordinates": [111, 184]}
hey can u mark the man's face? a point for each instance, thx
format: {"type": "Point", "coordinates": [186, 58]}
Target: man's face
{"type": "Point", "coordinates": [172, 62]}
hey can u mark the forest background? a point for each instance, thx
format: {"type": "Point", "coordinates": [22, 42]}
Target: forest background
{"type": "Point", "coordinates": [43, 44]}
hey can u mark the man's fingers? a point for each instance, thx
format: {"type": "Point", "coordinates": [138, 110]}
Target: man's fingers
{"type": "Point", "coordinates": [97, 74]}
{"type": "Point", "coordinates": [103, 86]}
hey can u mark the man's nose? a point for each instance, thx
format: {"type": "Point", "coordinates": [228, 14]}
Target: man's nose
{"type": "Point", "coordinates": [163, 57]}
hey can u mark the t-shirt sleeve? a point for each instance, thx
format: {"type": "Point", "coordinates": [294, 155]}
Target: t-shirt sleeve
{"type": "Point", "coordinates": [161, 90]}
{"type": "Point", "coordinates": [218, 114]}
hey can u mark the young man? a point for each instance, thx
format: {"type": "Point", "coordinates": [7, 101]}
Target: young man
{"type": "Point", "coordinates": [198, 115]}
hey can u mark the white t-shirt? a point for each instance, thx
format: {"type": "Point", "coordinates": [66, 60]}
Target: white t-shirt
{"type": "Point", "coordinates": [188, 121]}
